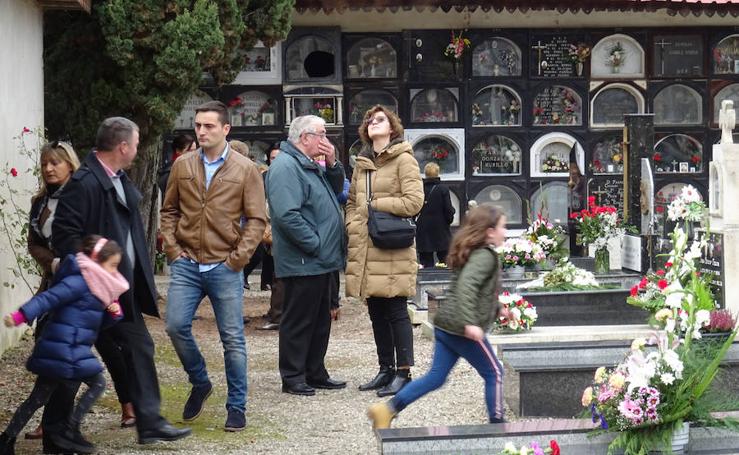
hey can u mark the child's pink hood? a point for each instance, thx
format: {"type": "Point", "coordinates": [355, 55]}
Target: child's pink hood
{"type": "Point", "coordinates": [105, 286]}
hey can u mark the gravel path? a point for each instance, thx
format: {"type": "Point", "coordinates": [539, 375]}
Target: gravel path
{"type": "Point", "coordinates": [332, 422]}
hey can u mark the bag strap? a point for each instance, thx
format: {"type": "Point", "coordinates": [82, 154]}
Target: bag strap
{"type": "Point", "coordinates": [369, 186]}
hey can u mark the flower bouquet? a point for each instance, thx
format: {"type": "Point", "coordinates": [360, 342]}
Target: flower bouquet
{"type": "Point", "coordinates": [598, 224]}
{"type": "Point", "coordinates": [520, 252]}
{"type": "Point", "coordinates": [616, 57]}
{"type": "Point", "coordinates": [553, 163]}
{"type": "Point", "coordinates": [578, 53]}
{"type": "Point", "coordinates": [521, 313]}
{"type": "Point", "coordinates": [548, 236]}
{"type": "Point", "coordinates": [532, 449]}
{"type": "Point", "coordinates": [567, 277]}
{"type": "Point", "coordinates": [688, 206]}
{"type": "Point", "coordinates": [456, 47]}
{"type": "Point", "coordinates": [439, 152]}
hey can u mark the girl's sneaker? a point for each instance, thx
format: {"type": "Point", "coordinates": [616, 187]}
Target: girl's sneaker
{"type": "Point", "coordinates": [381, 414]}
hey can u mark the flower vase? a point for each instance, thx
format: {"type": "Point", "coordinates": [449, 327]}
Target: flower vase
{"type": "Point", "coordinates": [530, 273]}
{"type": "Point", "coordinates": [514, 272]}
{"type": "Point", "coordinates": [616, 69]}
{"type": "Point", "coordinates": [579, 66]}
{"type": "Point", "coordinates": [680, 439]}
{"type": "Point", "coordinates": [602, 261]}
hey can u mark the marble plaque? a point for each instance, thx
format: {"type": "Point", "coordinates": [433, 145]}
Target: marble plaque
{"type": "Point", "coordinates": [496, 155]}
{"type": "Point", "coordinates": [504, 197]}
{"type": "Point", "coordinates": [433, 106]}
{"type": "Point", "coordinates": [617, 56]}
{"type": "Point", "coordinates": [557, 105]}
{"type": "Point", "coordinates": [678, 56]}
{"type": "Point", "coordinates": [610, 105]}
{"type": "Point", "coordinates": [608, 191]}
{"type": "Point", "coordinates": [496, 105]}
{"type": "Point", "coordinates": [550, 56]}
{"type": "Point", "coordinates": [712, 261]}
{"type": "Point", "coordinates": [371, 58]}
{"type": "Point", "coordinates": [186, 119]}
{"type": "Point", "coordinates": [496, 57]}
{"type": "Point", "coordinates": [678, 153]}
{"type": "Point", "coordinates": [678, 104]}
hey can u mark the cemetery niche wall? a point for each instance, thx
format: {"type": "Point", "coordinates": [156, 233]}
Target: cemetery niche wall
{"type": "Point", "coordinates": [482, 116]}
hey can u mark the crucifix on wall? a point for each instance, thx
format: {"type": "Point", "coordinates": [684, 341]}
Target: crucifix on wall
{"type": "Point", "coordinates": [539, 47]}
{"type": "Point", "coordinates": [662, 45]}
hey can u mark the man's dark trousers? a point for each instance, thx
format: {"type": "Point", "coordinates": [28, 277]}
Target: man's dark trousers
{"type": "Point", "coordinates": [305, 328]}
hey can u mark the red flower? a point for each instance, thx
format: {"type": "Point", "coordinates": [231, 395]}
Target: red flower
{"type": "Point", "coordinates": [659, 209]}
{"type": "Point", "coordinates": [591, 201]}
{"type": "Point", "coordinates": [660, 272]}
{"type": "Point", "coordinates": [574, 215]}
{"type": "Point", "coordinates": [13, 172]}
{"type": "Point", "coordinates": [668, 264]}
{"type": "Point", "coordinates": [643, 283]}
{"type": "Point", "coordinates": [661, 284]}
{"type": "Point", "coordinates": [695, 159]}
{"type": "Point", "coordinates": [25, 130]}
{"type": "Point", "coordinates": [657, 156]}
{"type": "Point", "coordinates": [634, 291]}
{"type": "Point", "coordinates": [554, 446]}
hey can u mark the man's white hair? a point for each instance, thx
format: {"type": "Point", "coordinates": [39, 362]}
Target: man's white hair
{"type": "Point", "coordinates": [303, 124]}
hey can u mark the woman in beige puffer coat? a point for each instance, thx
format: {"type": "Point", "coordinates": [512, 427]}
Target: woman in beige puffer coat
{"type": "Point", "coordinates": [386, 278]}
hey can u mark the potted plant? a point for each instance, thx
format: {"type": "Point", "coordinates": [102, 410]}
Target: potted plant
{"type": "Point", "coordinates": [721, 323]}
{"type": "Point", "coordinates": [518, 253]}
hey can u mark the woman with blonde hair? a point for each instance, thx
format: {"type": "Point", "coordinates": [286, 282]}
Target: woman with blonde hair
{"type": "Point", "coordinates": [385, 277]}
{"type": "Point", "coordinates": [433, 233]}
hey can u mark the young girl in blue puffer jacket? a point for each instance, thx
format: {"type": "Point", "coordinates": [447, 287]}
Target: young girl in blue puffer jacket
{"type": "Point", "coordinates": [83, 298]}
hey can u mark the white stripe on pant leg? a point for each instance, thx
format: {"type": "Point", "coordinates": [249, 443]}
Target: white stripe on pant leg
{"type": "Point", "coordinates": [498, 378]}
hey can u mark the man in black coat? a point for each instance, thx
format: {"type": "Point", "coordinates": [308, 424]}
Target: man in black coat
{"type": "Point", "coordinates": [101, 199]}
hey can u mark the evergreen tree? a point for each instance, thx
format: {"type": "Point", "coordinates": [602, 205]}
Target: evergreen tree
{"type": "Point", "coordinates": [142, 59]}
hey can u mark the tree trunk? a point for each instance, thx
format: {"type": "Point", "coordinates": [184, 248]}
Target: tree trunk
{"type": "Point", "coordinates": [144, 173]}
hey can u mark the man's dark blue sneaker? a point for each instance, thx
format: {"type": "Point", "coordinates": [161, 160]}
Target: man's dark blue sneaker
{"type": "Point", "coordinates": [195, 402]}
{"type": "Point", "coordinates": [236, 420]}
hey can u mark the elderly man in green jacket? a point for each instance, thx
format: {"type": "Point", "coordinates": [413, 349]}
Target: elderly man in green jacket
{"type": "Point", "coordinates": [308, 241]}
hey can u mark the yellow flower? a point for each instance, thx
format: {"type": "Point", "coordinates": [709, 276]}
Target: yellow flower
{"type": "Point", "coordinates": [663, 314]}
{"type": "Point", "coordinates": [616, 381]}
{"type": "Point", "coordinates": [600, 374]}
{"type": "Point", "coordinates": [587, 396]}
{"type": "Point", "coordinates": [638, 343]}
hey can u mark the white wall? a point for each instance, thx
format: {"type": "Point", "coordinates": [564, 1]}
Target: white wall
{"type": "Point", "coordinates": [21, 105]}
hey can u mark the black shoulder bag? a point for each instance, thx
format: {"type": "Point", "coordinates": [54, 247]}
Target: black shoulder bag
{"type": "Point", "coordinates": [388, 231]}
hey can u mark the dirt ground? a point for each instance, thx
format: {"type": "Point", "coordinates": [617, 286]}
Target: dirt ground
{"type": "Point", "coordinates": [332, 422]}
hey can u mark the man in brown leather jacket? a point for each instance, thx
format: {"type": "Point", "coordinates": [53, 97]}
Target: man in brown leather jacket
{"type": "Point", "coordinates": [213, 218]}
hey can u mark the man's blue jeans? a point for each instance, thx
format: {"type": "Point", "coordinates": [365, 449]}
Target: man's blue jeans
{"type": "Point", "coordinates": [225, 288]}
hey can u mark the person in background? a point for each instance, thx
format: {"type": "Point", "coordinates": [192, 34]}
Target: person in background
{"type": "Point", "coordinates": [82, 298]}
{"type": "Point", "coordinates": [432, 224]}
{"type": "Point", "coordinates": [308, 246]}
{"type": "Point", "coordinates": [462, 322]}
{"type": "Point", "coordinates": [213, 218]}
{"type": "Point", "coordinates": [181, 144]}
{"type": "Point", "coordinates": [386, 278]}
{"type": "Point", "coordinates": [273, 315]}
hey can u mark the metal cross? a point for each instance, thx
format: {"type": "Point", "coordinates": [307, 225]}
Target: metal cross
{"type": "Point", "coordinates": [662, 45]}
{"type": "Point", "coordinates": [539, 47]}
{"type": "Point", "coordinates": [598, 193]}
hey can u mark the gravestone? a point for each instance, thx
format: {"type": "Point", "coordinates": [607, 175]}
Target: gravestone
{"type": "Point", "coordinates": [678, 56]}
{"type": "Point", "coordinates": [550, 56]}
{"type": "Point", "coordinates": [608, 191]}
{"type": "Point", "coordinates": [723, 247]}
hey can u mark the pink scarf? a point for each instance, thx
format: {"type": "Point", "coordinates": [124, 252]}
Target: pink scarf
{"type": "Point", "coordinates": [105, 286]}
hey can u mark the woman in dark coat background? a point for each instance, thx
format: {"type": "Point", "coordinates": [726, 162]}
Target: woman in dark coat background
{"type": "Point", "coordinates": [432, 224]}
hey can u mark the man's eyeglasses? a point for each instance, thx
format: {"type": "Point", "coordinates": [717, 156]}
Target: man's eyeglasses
{"type": "Point", "coordinates": [320, 135]}
{"type": "Point", "coordinates": [372, 120]}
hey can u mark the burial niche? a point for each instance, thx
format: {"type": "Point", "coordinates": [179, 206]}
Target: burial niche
{"type": "Point", "coordinates": [617, 56]}
{"type": "Point", "coordinates": [252, 108]}
{"type": "Point", "coordinates": [730, 92]}
{"type": "Point", "coordinates": [550, 155]}
{"type": "Point", "coordinates": [611, 103]}
{"type": "Point", "coordinates": [504, 197]}
{"type": "Point", "coordinates": [725, 56]}
{"type": "Point", "coordinates": [496, 105]}
{"type": "Point", "coordinates": [440, 150]}
{"type": "Point", "coordinates": [678, 153]}
{"type": "Point", "coordinates": [495, 155]}
{"type": "Point", "coordinates": [551, 199]}
{"type": "Point", "coordinates": [662, 200]}
{"type": "Point", "coordinates": [433, 105]}
{"type": "Point", "coordinates": [371, 58]}
{"type": "Point", "coordinates": [678, 104]}
{"type": "Point", "coordinates": [495, 57]}
{"type": "Point", "coordinates": [310, 57]}
{"type": "Point", "coordinates": [364, 100]}
{"type": "Point", "coordinates": [608, 157]}
{"type": "Point", "coordinates": [557, 105]}
{"type": "Point", "coordinates": [186, 119]}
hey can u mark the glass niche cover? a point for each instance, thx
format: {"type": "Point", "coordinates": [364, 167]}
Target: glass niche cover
{"type": "Point", "coordinates": [503, 197]}
{"type": "Point", "coordinates": [325, 107]}
{"type": "Point", "coordinates": [610, 104]}
{"type": "Point", "coordinates": [371, 58]}
{"type": "Point", "coordinates": [496, 57]}
{"type": "Point", "coordinates": [364, 100]}
{"type": "Point", "coordinates": [444, 147]}
{"type": "Point", "coordinates": [678, 153]}
{"type": "Point", "coordinates": [557, 105]}
{"type": "Point", "coordinates": [726, 56]}
{"type": "Point", "coordinates": [496, 105]}
{"type": "Point", "coordinates": [730, 92]}
{"type": "Point", "coordinates": [608, 155]}
{"type": "Point", "coordinates": [252, 108]}
{"type": "Point", "coordinates": [678, 104]}
{"type": "Point", "coordinates": [308, 58]}
{"type": "Point", "coordinates": [552, 199]}
{"type": "Point", "coordinates": [433, 105]}
{"type": "Point", "coordinates": [496, 155]}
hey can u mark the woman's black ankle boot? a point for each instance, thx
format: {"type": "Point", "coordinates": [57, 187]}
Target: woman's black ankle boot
{"type": "Point", "coordinates": [383, 378]}
{"type": "Point", "coordinates": [7, 445]}
{"type": "Point", "coordinates": [402, 377]}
